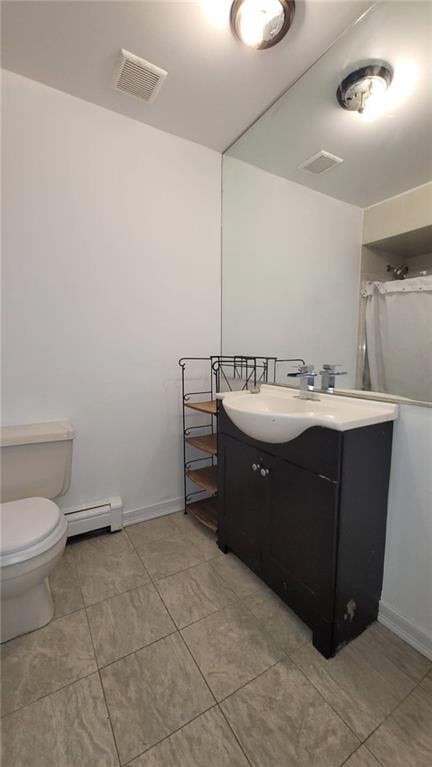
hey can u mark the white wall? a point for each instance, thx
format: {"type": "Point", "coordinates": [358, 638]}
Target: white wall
{"type": "Point", "coordinates": [406, 604]}
{"type": "Point", "coordinates": [290, 271]}
{"type": "Point", "coordinates": [111, 258]}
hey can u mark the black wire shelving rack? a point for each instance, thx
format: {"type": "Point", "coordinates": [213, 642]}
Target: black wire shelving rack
{"type": "Point", "coordinates": [221, 373]}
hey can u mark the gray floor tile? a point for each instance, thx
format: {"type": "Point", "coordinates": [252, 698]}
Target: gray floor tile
{"type": "Point", "coordinates": [194, 594]}
{"type": "Point", "coordinates": [405, 738]}
{"type": "Point", "coordinates": [54, 708]}
{"type": "Point", "coordinates": [127, 622]}
{"type": "Point", "coordinates": [286, 629]}
{"type": "Point", "coordinates": [107, 565]}
{"type": "Point", "coordinates": [172, 525]}
{"type": "Point", "coordinates": [282, 721]}
{"type": "Point", "coordinates": [362, 758]}
{"type": "Point", "coordinates": [395, 649]}
{"type": "Point", "coordinates": [238, 577]}
{"type": "Point", "coordinates": [168, 555]}
{"type": "Point", "coordinates": [68, 728]}
{"type": "Point", "coordinates": [36, 664]}
{"type": "Point", "coordinates": [153, 529]}
{"type": "Point", "coordinates": [188, 525]}
{"type": "Point", "coordinates": [360, 683]}
{"type": "Point", "coordinates": [427, 683]}
{"type": "Point", "coordinates": [205, 742]}
{"type": "Point", "coordinates": [152, 693]}
{"type": "Point", "coordinates": [231, 648]}
{"type": "Point", "coordinates": [65, 588]}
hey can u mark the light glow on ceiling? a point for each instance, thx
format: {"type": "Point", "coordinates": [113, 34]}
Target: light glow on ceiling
{"type": "Point", "coordinates": [405, 77]}
{"type": "Point", "coordinates": [217, 12]}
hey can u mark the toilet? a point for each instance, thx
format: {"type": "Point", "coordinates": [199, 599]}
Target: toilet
{"type": "Point", "coordinates": [36, 462]}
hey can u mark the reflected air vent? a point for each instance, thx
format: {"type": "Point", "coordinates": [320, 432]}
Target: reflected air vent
{"type": "Point", "coordinates": [320, 162]}
{"type": "Point", "coordinates": [139, 78]}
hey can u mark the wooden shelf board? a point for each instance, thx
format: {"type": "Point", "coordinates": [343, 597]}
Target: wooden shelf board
{"type": "Point", "coordinates": [205, 442]}
{"type": "Point", "coordinates": [205, 511]}
{"type": "Point", "coordinates": [205, 478]}
{"type": "Point", "coordinates": [203, 407]}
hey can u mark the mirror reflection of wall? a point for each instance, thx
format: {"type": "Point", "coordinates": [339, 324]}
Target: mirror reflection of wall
{"type": "Point", "coordinates": [331, 260]}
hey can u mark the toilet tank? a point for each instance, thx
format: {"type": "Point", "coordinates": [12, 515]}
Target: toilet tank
{"type": "Point", "coordinates": [36, 460]}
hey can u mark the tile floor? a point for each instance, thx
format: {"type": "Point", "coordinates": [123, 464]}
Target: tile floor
{"type": "Point", "coordinates": [165, 653]}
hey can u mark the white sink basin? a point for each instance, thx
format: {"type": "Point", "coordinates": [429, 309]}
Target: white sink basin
{"type": "Point", "coordinates": [279, 415]}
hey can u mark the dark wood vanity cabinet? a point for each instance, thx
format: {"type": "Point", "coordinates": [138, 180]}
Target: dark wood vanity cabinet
{"type": "Point", "coordinates": [309, 518]}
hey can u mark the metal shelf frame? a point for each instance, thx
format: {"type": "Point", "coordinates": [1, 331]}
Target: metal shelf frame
{"type": "Point", "coordinates": [245, 369]}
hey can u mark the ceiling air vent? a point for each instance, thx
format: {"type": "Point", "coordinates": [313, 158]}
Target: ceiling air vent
{"type": "Point", "coordinates": [320, 162]}
{"type": "Point", "coordinates": [139, 78]}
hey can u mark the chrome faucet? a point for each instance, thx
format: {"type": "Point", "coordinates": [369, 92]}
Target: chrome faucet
{"type": "Point", "coordinates": [307, 382]}
{"type": "Point", "coordinates": [328, 376]}
{"type": "Point", "coordinates": [254, 388]}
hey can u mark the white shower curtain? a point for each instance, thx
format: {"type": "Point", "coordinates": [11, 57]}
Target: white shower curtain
{"type": "Point", "coordinates": [399, 336]}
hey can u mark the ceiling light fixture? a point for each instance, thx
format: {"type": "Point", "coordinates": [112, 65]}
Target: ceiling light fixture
{"type": "Point", "coordinates": [261, 24]}
{"type": "Point", "coordinates": [364, 87]}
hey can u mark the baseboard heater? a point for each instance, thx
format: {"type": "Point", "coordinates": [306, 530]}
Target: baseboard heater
{"type": "Point", "coordinates": [84, 519]}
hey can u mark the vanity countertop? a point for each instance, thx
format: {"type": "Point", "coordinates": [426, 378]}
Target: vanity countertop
{"type": "Point", "coordinates": [276, 414]}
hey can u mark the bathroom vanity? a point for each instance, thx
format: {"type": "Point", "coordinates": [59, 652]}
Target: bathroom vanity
{"type": "Point", "coordinates": [308, 515]}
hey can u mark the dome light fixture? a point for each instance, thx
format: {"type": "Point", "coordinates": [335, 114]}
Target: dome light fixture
{"type": "Point", "coordinates": [364, 87]}
{"type": "Point", "coordinates": [261, 24]}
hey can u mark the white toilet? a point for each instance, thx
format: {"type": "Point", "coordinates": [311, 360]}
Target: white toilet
{"type": "Point", "coordinates": [36, 461]}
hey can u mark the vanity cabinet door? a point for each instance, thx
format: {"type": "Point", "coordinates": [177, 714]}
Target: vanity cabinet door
{"type": "Point", "coordinates": [244, 496]}
{"type": "Point", "coordinates": [300, 540]}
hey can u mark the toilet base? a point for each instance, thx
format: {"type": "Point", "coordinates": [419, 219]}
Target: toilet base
{"type": "Point", "coordinates": [26, 601]}
{"type": "Point", "coordinates": [27, 612]}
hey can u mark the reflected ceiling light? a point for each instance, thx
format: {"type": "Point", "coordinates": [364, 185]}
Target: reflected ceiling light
{"type": "Point", "coordinates": [364, 88]}
{"type": "Point", "coordinates": [261, 23]}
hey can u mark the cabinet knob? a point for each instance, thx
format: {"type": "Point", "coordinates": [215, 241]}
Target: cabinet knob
{"type": "Point", "coordinates": [264, 472]}
{"type": "Point", "coordinates": [256, 467]}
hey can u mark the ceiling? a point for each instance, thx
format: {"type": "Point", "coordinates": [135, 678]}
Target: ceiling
{"type": "Point", "coordinates": [382, 158]}
{"type": "Point", "coordinates": [215, 87]}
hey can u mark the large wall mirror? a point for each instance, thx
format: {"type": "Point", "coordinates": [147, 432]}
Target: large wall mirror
{"type": "Point", "coordinates": [327, 213]}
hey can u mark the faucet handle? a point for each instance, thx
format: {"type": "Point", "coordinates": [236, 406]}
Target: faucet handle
{"type": "Point", "coordinates": [306, 370]}
{"type": "Point", "coordinates": [331, 367]}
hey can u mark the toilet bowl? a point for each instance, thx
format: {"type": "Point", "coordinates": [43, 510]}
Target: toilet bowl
{"type": "Point", "coordinates": [33, 538]}
{"type": "Point", "coordinates": [35, 462]}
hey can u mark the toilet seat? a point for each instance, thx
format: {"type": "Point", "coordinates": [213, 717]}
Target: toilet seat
{"type": "Point", "coordinates": [29, 527]}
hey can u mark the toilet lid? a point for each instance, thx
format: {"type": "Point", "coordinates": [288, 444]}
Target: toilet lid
{"type": "Point", "coordinates": [26, 522]}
